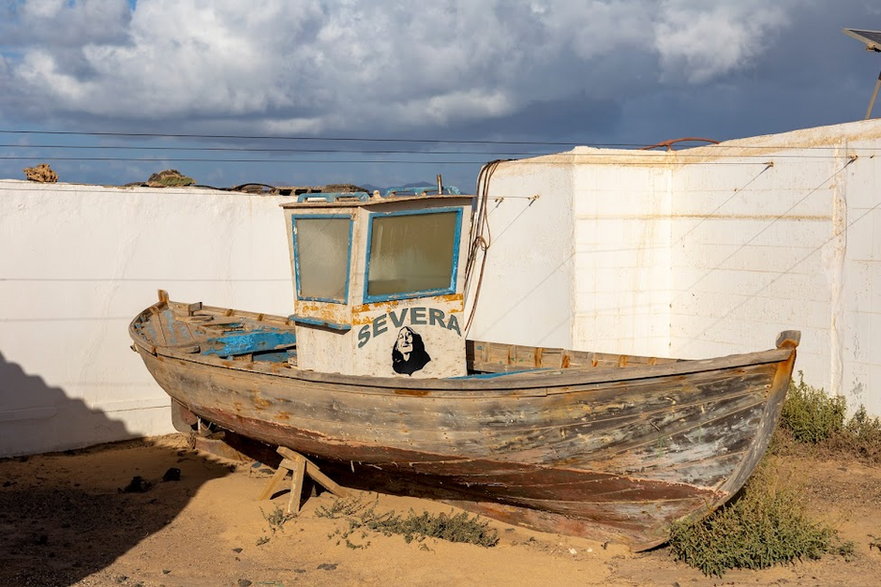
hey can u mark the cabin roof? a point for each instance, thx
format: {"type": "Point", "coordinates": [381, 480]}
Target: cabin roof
{"type": "Point", "coordinates": [363, 199]}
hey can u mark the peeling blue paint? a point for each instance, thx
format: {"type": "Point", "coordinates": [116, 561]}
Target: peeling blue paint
{"type": "Point", "coordinates": [249, 342]}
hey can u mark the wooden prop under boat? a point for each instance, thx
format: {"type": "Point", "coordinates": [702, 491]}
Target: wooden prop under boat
{"type": "Point", "coordinates": [606, 446]}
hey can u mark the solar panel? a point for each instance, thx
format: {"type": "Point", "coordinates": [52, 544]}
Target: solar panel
{"type": "Point", "coordinates": [871, 39]}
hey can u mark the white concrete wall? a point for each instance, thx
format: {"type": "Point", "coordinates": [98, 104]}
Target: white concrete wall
{"type": "Point", "coordinates": [527, 291]}
{"type": "Point", "coordinates": [752, 253]}
{"type": "Point", "coordinates": [78, 262]}
{"type": "Point", "coordinates": [857, 321]}
{"type": "Point", "coordinates": [705, 251]}
{"type": "Point", "coordinates": [622, 244]}
{"type": "Point", "coordinates": [587, 264]}
{"type": "Point", "coordinates": [780, 232]}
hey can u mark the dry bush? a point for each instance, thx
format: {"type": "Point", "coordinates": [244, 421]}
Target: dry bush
{"type": "Point", "coordinates": [453, 527]}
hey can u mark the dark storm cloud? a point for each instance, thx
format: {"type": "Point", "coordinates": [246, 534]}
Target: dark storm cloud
{"type": "Point", "coordinates": [594, 72]}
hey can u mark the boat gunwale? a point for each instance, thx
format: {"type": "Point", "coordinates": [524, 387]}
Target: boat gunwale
{"type": "Point", "coordinates": [550, 382]}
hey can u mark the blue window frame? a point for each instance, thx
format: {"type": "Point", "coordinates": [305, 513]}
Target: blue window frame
{"type": "Point", "coordinates": [412, 254]}
{"type": "Point", "coordinates": [322, 256]}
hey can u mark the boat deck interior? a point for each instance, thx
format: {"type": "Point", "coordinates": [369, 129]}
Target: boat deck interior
{"type": "Point", "coordinates": [250, 336]}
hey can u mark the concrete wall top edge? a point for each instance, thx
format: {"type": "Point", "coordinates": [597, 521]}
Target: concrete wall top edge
{"type": "Point", "coordinates": [833, 137]}
{"type": "Point", "coordinates": [25, 185]}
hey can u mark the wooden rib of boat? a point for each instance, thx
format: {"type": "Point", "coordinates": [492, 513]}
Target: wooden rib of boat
{"type": "Point", "coordinates": [591, 444]}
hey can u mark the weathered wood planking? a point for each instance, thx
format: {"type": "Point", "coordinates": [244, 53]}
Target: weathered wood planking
{"type": "Point", "coordinates": [569, 441]}
{"type": "Point", "coordinates": [495, 357]}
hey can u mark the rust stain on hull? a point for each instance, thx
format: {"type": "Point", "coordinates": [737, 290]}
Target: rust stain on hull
{"type": "Point", "coordinates": [412, 392]}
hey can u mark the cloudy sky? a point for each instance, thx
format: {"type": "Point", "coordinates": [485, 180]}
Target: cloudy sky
{"type": "Point", "coordinates": [275, 91]}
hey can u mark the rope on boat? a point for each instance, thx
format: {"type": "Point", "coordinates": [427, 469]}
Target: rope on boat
{"type": "Point", "coordinates": [481, 236]}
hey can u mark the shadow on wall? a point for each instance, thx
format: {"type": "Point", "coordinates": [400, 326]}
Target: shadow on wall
{"type": "Point", "coordinates": [35, 417]}
{"type": "Point", "coordinates": [68, 515]}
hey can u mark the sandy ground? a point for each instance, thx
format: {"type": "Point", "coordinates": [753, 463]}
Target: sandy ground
{"type": "Point", "coordinates": [64, 520]}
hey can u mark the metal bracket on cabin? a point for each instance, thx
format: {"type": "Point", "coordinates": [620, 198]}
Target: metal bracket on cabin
{"type": "Point", "coordinates": [333, 197]}
{"type": "Point", "coordinates": [421, 191]}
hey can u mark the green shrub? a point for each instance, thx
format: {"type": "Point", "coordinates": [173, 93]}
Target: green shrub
{"type": "Point", "coordinates": [811, 417]}
{"type": "Point", "coordinates": [767, 525]}
{"type": "Point", "coordinates": [810, 414]}
{"type": "Point", "coordinates": [860, 436]}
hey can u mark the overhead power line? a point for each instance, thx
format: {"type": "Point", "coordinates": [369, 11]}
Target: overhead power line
{"type": "Point", "coordinates": [283, 138]}
{"type": "Point", "coordinates": [372, 151]}
{"type": "Point", "coordinates": [265, 150]}
{"type": "Point", "coordinates": [390, 140]}
{"type": "Point", "coordinates": [254, 160]}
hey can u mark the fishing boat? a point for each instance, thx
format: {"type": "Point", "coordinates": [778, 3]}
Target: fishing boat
{"type": "Point", "coordinates": [374, 370]}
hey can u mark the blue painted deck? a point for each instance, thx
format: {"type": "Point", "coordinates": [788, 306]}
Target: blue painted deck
{"type": "Point", "coordinates": [254, 341]}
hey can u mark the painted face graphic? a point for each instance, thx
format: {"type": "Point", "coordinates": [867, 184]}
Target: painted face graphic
{"type": "Point", "coordinates": [405, 342]}
{"type": "Point", "coordinates": [408, 353]}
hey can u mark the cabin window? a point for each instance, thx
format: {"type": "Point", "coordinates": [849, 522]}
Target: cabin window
{"type": "Point", "coordinates": [412, 254]}
{"type": "Point", "coordinates": [322, 246]}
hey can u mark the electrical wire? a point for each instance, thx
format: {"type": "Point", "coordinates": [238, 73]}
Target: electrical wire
{"type": "Point", "coordinates": [281, 138]}
{"type": "Point", "coordinates": [419, 153]}
{"type": "Point", "coordinates": [260, 149]}
{"type": "Point", "coordinates": [393, 140]}
{"type": "Point", "coordinates": [45, 158]}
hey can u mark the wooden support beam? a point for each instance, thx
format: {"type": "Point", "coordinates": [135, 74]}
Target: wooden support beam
{"type": "Point", "coordinates": [270, 487]}
{"type": "Point", "coordinates": [299, 466]}
{"type": "Point", "coordinates": [298, 472]}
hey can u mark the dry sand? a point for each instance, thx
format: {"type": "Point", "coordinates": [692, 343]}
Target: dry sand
{"type": "Point", "coordinates": [65, 521]}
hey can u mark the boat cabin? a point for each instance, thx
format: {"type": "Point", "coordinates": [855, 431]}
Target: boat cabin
{"type": "Point", "coordinates": [378, 282]}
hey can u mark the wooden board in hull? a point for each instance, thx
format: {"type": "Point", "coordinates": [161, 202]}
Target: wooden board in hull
{"type": "Point", "coordinates": [623, 446]}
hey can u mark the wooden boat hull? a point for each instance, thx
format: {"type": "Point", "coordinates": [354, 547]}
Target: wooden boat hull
{"type": "Point", "coordinates": [609, 452]}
